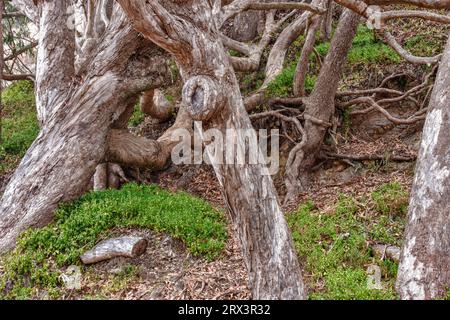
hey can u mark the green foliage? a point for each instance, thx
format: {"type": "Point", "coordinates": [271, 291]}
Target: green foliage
{"type": "Point", "coordinates": [281, 86]}
{"type": "Point", "coordinates": [367, 49]}
{"type": "Point", "coordinates": [137, 117]}
{"type": "Point", "coordinates": [387, 230]}
{"type": "Point", "coordinates": [19, 123]}
{"type": "Point", "coordinates": [391, 199]}
{"type": "Point", "coordinates": [234, 53]}
{"type": "Point", "coordinates": [17, 94]}
{"type": "Point", "coordinates": [425, 46]}
{"type": "Point", "coordinates": [334, 248]}
{"type": "Point", "coordinates": [80, 225]}
{"type": "Point", "coordinates": [322, 49]}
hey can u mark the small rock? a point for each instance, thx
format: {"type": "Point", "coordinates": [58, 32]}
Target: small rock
{"type": "Point", "coordinates": [72, 278]}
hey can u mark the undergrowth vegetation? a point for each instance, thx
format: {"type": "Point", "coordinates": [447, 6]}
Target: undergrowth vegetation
{"type": "Point", "coordinates": [79, 226]}
{"type": "Point", "coordinates": [366, 50]}
{"type": "Point", "coordinates": [335, 246]}
{"type": "Point", "coordinates": [19, 123]}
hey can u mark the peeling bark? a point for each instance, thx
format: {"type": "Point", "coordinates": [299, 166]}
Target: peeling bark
{"type": "Point", "coordinates": [56, 48]}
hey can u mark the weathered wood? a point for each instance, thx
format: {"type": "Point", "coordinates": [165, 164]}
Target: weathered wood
{"type": "Point", "coordinates": [187, 31]}
{"type": "Point", "coordinates": [383, 251]}
{"type": "Point", "coordinates": [56, 48]}
{"type": "Point", "coordinates": [155, 104]}
{"type": "Point", "coordinates": [129, 247]}
{"type": "Point", "coordinates": [62, 160]}
{"type": "Point", "coordinates": [424, 271]}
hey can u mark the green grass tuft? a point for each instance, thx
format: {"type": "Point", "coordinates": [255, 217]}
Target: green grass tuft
{"type": "Point", "coordinates": [334, 249]}
{"type": "Point", "coordinates": [19, 123]}
{"type": "Point", "coordinates": [391, 199]}
{"type": "Point", "coordinates": [80, 225]}
{"type": "Point", "coordinates": [137, 117]}
{"type": "Point", "coordinates": [366, 49]}
{"type": "Point", "coordinates": [281, 86]}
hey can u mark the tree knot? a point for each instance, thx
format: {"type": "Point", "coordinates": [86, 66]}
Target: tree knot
{"type": "Point", "coordinates": [203, 97]}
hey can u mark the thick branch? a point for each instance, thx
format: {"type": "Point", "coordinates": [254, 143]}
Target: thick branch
{"type": "Point", "coordinates": [302, 66]}
{"type": "Point", "coordinates": [407, 55]}
{"type": "Point", "coordinates": [56, 48]}
{"type": "Point", "coordinates": [128, 149]}
{"type": "Point", "coordinates": [285, 6]}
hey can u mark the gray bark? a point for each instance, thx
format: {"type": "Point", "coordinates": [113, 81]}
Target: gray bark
{"type": "Point", "coordinates": [56, 48]}
{"type": "Point", "coordinates": [247, 25]}
{"type": "Point", "coordinates": [212, 94]}
{"type": "Point", "coordinates": [60, 163]}
{"type": "Point", "coordinates": [424, 271]}
{"type": "Point", "coordinates": [2, 6]}
{"type": "Point", "coordinates": [320, 106]}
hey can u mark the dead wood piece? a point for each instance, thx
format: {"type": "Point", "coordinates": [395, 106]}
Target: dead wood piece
{"type": "Point", "coordinates": [387, 251]}
{"type": "Point", "coordinates": [129, 247]}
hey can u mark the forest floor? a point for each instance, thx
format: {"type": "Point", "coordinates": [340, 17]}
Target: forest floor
{"type": "Point", "coordinates": [350, 206]}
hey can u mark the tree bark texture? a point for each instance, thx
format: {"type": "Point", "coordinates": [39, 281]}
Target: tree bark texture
{"type": "Point", "coordinates": [320, 105]}
{"type": "Point", "coordinates": [211, 94]}
{"type": "Point", "coordinates": [424, 271]}
{"type": "Point", "coordinates": [61, 161]}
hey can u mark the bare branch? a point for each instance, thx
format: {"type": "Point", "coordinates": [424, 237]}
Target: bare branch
{"type": "Point", "coordinates": [21, 50]}
{"type": "Point", "coordinates": [430, 4]}
{"type": "Point", "coordinates": [302, 65]}
{"type": "Point", "coordinates": [372, 103]}
{"type": "Point", "coordinates": [371, 157]}
{"type": "Point", "coordinates": [425, 15]}
{"type": "Point", "coordinates": [407, 55]}
{"type": "Point", "coordinates": [16, 77]}
{"type": "Point", "coordinates": [285, 6]}
{"type": "Point", "coordinates": [238, 6]}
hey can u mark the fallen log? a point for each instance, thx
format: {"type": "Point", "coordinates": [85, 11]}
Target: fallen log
{"type": "Point", "coordinates": [129, 247]}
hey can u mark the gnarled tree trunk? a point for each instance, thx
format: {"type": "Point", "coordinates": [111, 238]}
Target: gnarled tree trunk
{"type": "Point", "coordinates": [73, 140]}
{"type": "Point", "coordinates": [211, 94]}
{"type": "Point", "coordinates": [320, 105]}
{"type": "Point", "coordinates": [424, 271]}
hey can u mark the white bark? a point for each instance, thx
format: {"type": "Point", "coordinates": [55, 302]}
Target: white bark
{"type": "Point", "coordinates": [62, 160]}
{"type": "Point", "coordinates": [424, 271]}
{"type": "Point", "coordinates": [211, 86]}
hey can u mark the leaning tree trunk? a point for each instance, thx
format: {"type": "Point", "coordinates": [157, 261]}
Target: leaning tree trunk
{"type": "Point", "coordinates": [76, 131]}
{"type": "Point", "coordinates": [211, 94]}
{"type": "Point", "coordinates": [247, 25]}
{"type": "Point", "coordinates": [320, 105]}
{"type": "Point", "coordinates": [424, 271]}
